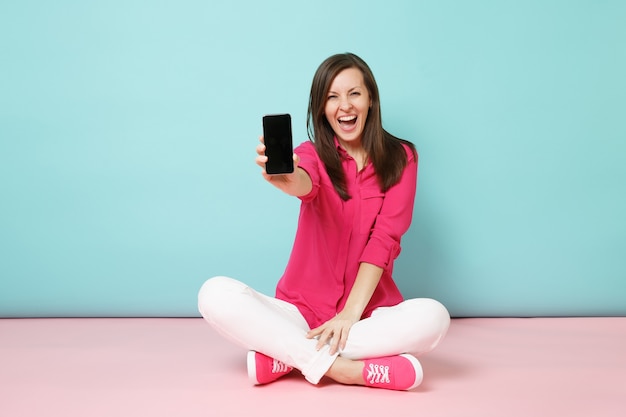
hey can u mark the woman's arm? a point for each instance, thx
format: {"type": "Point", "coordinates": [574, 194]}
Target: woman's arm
{"type": "Point", "coordinates": [393, 220]}
{"type": "Point", "coordinates": [337, 329]}
{"type": "Point", "coordinates": [296, 184]}
{"type": "Point", "coordinates": [367, 279]}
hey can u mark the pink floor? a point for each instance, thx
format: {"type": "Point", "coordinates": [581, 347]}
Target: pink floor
{"type": "Point", "coordinates": [179, 367]}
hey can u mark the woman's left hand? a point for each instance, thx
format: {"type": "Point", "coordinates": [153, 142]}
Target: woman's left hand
{"type": "Point", "coordinates": [334, 332]}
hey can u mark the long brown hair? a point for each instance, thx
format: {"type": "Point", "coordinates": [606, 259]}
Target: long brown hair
{"type": "Point", "coordinates": [384, 150]}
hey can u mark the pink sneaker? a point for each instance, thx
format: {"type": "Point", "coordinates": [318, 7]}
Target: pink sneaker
{"type": "Point", "coordinates": [262, 369]}
{"type": "Point", "coordinates": [402, 372]}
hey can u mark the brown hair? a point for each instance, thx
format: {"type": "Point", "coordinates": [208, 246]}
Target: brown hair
{"type": "Point", "coordinates": [384, 150]}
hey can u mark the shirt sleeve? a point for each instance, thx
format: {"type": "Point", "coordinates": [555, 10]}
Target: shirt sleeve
{"type": "Point", "coordinates": [310, 162]}
{"type": "Point", "coordinates": [394, 218]}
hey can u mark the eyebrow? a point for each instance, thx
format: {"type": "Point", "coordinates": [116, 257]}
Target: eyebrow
{"type": "Point", "coordinates": [351, 89]}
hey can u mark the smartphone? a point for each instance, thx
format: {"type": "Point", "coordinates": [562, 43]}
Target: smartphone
{"type": "Point", "coordinates": [278, 144]}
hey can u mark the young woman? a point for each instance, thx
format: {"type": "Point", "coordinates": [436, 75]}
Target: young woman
{"type": "Point", "coordinates": [337, 311]}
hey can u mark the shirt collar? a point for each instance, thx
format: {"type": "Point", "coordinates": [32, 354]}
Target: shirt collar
{"type": "Point", "coordinates": [344, 154]}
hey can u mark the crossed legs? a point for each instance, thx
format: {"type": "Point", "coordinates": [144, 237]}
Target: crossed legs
{"type": "Point", "coordinates": [277, 329]}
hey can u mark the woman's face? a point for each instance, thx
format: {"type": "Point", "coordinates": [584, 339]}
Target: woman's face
{"type": "Point", "coordinates": [347, 105]}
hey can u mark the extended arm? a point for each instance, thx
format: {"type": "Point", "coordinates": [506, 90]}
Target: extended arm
{"type": "Point", "coordinates": [296, 184]}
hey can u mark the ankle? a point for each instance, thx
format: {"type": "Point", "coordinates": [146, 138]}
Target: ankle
{"type": "Point", "coordinates": [346, 371]}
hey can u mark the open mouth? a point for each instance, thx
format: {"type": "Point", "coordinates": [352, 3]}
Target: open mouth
{"type": "Point", "coordinates": [347, 121]}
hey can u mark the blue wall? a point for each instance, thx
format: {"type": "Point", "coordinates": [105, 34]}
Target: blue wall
{"type": "Point", "coordinates": [128, 128]}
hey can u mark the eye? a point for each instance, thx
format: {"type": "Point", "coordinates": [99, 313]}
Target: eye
{"type": "Point", "coordinates": [355, 93]}
{"type": "Point", "coordinates": [330, 97]}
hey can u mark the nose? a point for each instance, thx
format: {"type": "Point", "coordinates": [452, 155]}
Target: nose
{"type": "Point", "coordinates": [345, 104]}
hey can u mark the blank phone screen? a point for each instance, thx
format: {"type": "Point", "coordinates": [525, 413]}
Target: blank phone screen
{"type": "Point", "coordinates": [278, 143]}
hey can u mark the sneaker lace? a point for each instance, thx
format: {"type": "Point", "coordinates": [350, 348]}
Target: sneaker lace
{"type": "Point", "coordinates": [278, 367]}
{"type": "Point", "coordinates": [378, 374]}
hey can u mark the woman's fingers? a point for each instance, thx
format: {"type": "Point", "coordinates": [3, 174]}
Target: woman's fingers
{"type": "Point", "coordinates": [324, 338]}
{"type": "Point", "coordinates": [334, 336]}
{"type": "Point", "coordinates": [341, 342]}
{"type": "Point", "coordinates": [261, 159]}
{"type": "Point", "coordinates": [332, 340]}
{"type": "Point", "coordinates": [322, 333]}
{"type": "Point", "coordinates": [313, 333]}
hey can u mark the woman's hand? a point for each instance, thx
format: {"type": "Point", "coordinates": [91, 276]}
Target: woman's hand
{"type": "Point", "coordinates": [297, 183]}
{"type": "Point", "coordinates": [334, 332]}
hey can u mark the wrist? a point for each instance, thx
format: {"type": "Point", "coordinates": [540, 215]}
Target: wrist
{"type": "Point", "coordinates": [351, 313]}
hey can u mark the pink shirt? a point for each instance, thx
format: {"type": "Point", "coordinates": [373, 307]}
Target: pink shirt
{"type": "Point", "coordinates": [335, 236]}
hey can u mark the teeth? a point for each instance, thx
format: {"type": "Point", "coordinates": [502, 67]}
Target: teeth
{"type": "Point", "coordinates": [347, 118]}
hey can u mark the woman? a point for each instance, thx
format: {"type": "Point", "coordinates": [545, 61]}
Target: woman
{"type": "Point", "coordinates": [337, 311]}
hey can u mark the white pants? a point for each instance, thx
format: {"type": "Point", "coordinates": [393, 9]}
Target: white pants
{"type": "Point", "coordinates": [277, 329]}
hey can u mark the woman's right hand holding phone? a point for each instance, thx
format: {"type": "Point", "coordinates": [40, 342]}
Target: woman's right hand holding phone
{"type": "Point", "coordinates": [297, 183]}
